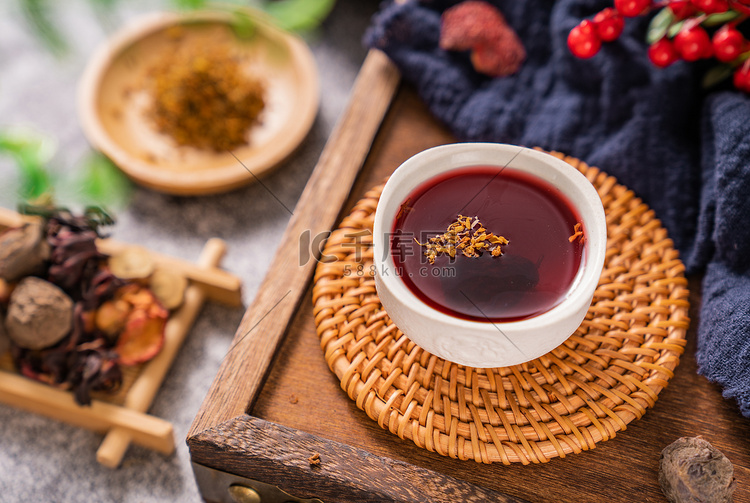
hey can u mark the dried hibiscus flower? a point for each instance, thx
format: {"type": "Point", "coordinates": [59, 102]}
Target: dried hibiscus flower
{"type": "Point", "coordinates": [82, 362]}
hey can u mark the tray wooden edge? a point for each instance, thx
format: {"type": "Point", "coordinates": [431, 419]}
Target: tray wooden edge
{"type": "Point", "coordinates": [223, 436]}
{"type": "Point", "coordinates": [267, 320]}
{"type": "Point", "coordinates": [312, 467]}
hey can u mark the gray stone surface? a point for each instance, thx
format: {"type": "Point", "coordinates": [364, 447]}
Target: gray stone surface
{"type": "Point", "coordinates": [45, 460]}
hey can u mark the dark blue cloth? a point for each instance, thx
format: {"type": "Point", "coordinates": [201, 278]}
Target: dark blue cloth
{"type": "Point", "coordinates": [686, 153]}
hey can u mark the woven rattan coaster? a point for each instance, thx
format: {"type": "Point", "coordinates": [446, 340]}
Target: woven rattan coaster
{"type": "Point", "coordinates": [585, 391]}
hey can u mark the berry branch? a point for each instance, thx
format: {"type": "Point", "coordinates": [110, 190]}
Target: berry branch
{"type": "Point", "coordinates": [688, 30]}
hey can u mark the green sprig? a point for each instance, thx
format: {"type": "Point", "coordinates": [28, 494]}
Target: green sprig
{"type": "Point", "coordinates": [101, 183]}
{"type": "Point", "coordinates": [659, 26]}
{"type": "Point", "coordinates": [31, 151]}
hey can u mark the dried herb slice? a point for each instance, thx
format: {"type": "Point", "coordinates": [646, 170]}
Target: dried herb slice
{"type": "Point", "coordinates": [169, 287]}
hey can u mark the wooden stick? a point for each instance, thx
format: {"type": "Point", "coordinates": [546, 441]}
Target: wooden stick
{"type": "Point", "coordinates": [9, 218]}
{"type": "Point", "coordinates": [144, 389]}
{"type": "Point", "coordinates": [265, 322]}
{"type": "Point", "coordinates": [143, 429]}
{"type": "Point", "coordinates": [219, 285]}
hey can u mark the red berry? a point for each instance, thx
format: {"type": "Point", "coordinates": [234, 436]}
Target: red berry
{"type": "Point", "coordinates": [632, 8]}
{"type": "Point", "coordinates": [711, 6]}
{"type": "Point", "coordinates": [583, 41]}
{"type": "Point", "coordinates": [662, 53]}
{"type": "Point", "coordinates": [742, 9]}
{"type": "Point", "coordinates": [609, 24]}
{"type": "Point", "coordinates": [742, 78]}
{"type": "Point", "coordinates": [728, 43]}
{"type": "Point", "coordinates": [693, 44]}
{"type": "Point", "coordinates": [682, 8]}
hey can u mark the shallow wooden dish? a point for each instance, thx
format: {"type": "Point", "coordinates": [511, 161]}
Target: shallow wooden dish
{"type": "Point", "coordinates": [113, 98]}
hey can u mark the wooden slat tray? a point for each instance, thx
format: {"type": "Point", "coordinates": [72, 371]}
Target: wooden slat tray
{"type": "Point", "coordinates": [122, 416]}
{"type": "Point", "coordinates": [275, 404]}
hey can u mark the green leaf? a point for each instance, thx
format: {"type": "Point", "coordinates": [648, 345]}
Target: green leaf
{"type": "Point", "coordinates": [720, 18]}
{"type": "Point", "coordinates": [715, 75]}
{"type": "Point", "coordinates": [189, 4]}
{"type": "Point", "coordinates": [31, 152]}
{"type": "Point", "coordinates": [299, 15]}
{"type": "Point", "coordinates": [103, 4]}
{"type": "Point", "coordinates": [101, 183]}
{"type": "Point", "coordinates": [105, 12]}
{"type": "Point", "coordinates": [675, 29]}
{"type": "Point", "coordinates": [242, 24]}
{"type": "Point", "coordinates": [38, 16]}
{"type": "Point", "coordinates": [659, 25]}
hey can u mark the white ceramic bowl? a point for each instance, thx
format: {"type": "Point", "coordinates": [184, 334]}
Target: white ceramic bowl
{"type": "Point", "coordinates": [488, 344]}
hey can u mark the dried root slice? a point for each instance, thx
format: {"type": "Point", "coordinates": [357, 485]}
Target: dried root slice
{"type": "Point", "coordinates": [168, 287]}
{"type": "Point", "coordinates": [23, 251]}
{"type": "Point", "coordinates": [133, 262]}
{"type": "Point", "coordinates": [691, 470]}
{"type": "Point", "coordinates": [142, 338]}
{"type": "Point", "coordinates": [39, 314]}
{"type": "Point", "coordinates": [111, 316]}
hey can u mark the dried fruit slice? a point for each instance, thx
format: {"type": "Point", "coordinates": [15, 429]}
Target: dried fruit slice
{"type": "Point", "coordinates": [112, 315]}
{"type": "Point", "coordinates": [133, 262]}
{"type": "Point", "coordinates": [168, 287]}
{"type": "Point", "coordinates": [142, 338]}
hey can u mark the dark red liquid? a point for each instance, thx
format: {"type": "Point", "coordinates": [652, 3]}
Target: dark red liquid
{"type": "Point", "coordinates": [536, 269]}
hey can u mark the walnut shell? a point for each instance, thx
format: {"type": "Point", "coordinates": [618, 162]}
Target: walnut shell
{"type": "Point", "coordinates": [4, 341]}
{"type": "Point", "coordinates": [39, 314]}
{"type": "Point", "coordinates": [691, 470]}
{"type": "Point", "coordinates": [23, 251]}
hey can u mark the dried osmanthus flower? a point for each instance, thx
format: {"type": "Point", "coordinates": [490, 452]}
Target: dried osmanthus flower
{"type": "Point", "coordinates": [577, 233]}
{"type": "Point", "coordinates": [203, 97]}
{"type": "Point", "coordinates": [479, 27]}
{"type": "Point", "coordinates": [466, 236]}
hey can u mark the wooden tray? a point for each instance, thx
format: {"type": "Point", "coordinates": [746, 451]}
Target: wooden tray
{"type": "Point", "coordinates": [275, 405]}
{"type": "Point", "coordinates": [122, 415]}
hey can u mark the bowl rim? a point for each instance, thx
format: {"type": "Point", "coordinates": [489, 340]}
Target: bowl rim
{"type": "Point", "coordinates": [197, 182]}
{"type": "Point", "coordinates": [592, 261]}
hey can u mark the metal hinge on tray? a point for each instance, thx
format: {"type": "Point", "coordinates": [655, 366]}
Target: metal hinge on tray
{"type": "Point", "coordinates": [222, 487]}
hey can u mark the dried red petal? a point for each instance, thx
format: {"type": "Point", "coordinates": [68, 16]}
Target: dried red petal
{"type": "Point", "coordinates": [142, 338]}
{"type": "Point", "coordinates": [478, 26]}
